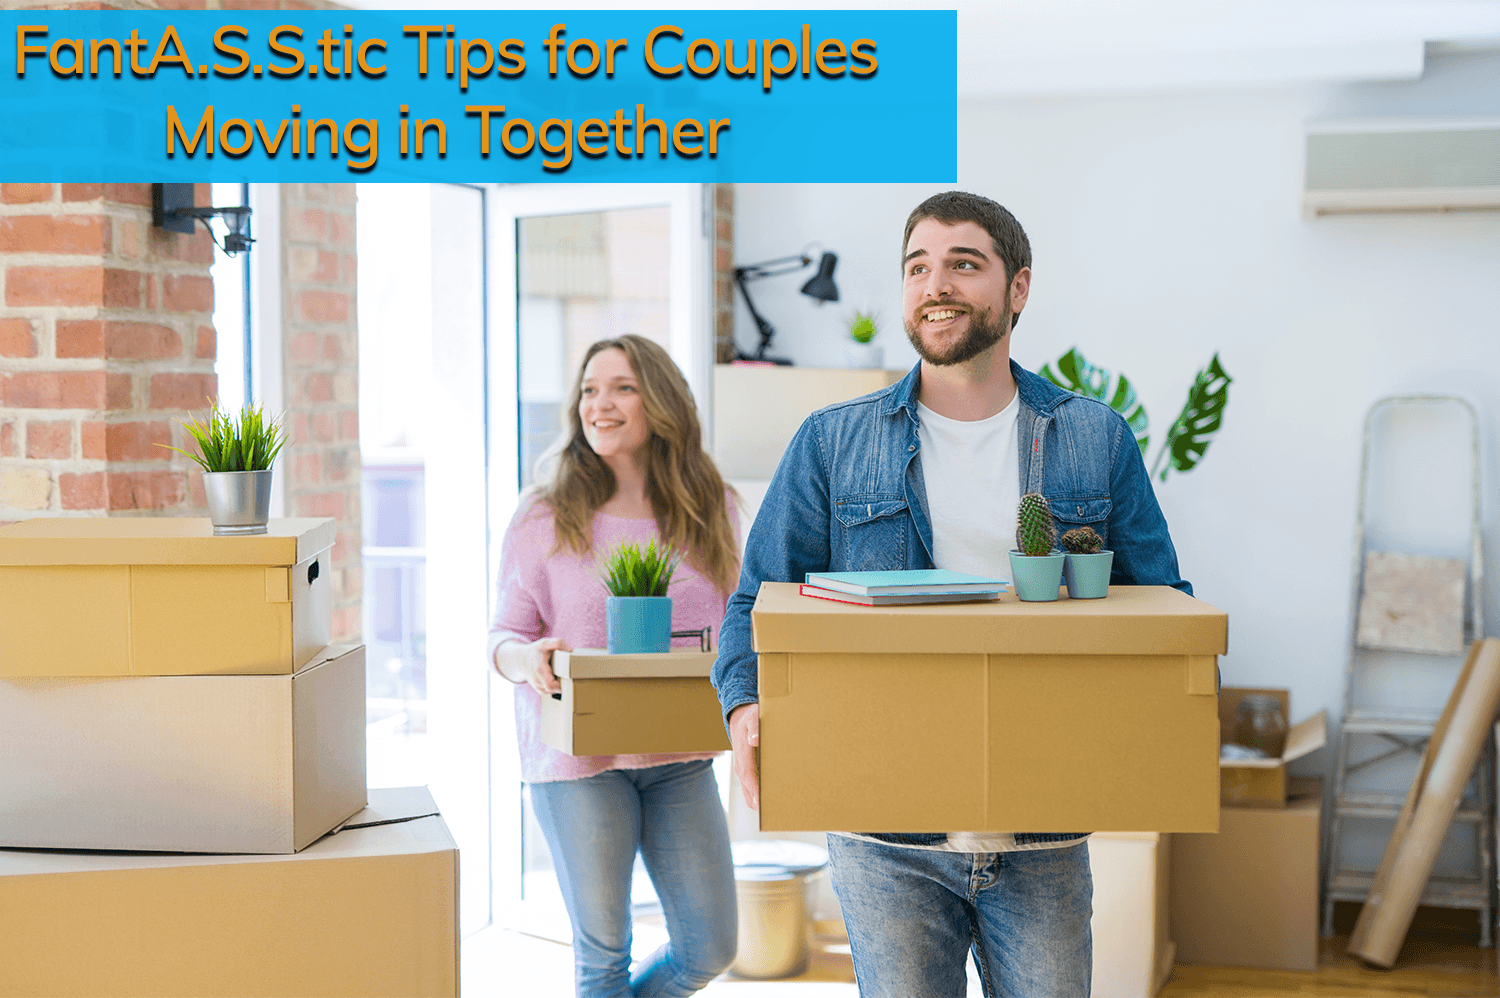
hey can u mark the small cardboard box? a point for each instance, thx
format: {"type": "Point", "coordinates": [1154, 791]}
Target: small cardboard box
{"type": "Point", "coordinates": [1263, 782]}
{"type": "Point", "coordinates": [1133, 948]}
{"type": "Point", "coordinates": [369, 910]}
{"type": "Point", "coordinates": [221, 764]}
{"type": "Point", "coordinates": [628, 704]}
{"type": "Point", "coordinates": [1248, 896]}
{"type": "Point", "coordinates": [149, 596]}
{"type": "Point", "coordinates": [1078, 715]}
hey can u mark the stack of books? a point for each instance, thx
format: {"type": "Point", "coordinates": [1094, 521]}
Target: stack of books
{"type": "Point", "coordinates": [930, 585]}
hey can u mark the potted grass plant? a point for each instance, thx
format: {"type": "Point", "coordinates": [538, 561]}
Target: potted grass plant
{"type": "Point", "coordinates": [236, 452]}
{"type": "Point", "coordinates": [859, 351]}
{"type": "Point", "coordinates": [1036, 570]}
{"type": "Point", "coordinates": [638, 610]}
{"type": "Point", "coordinates": [1086, 564]}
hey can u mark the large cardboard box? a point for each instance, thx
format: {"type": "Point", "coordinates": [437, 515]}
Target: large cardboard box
{"type": "Point", "coordinates": [162, 596]}
{"type": "Point", "coordinates": [1133, 948]}
{"type": "Point", "coordinates": [224, 764]}
{"type": "Point", "coordinates": [626, 704]}
{"type": "Point", "coordinates": [1079, 715]}
{"type": "Point", "coordinates": [1263, 782]}
{"type": "Point", "coordinates": [370, 910]}
{"type": "Point", "coordinates": [1248, 896]}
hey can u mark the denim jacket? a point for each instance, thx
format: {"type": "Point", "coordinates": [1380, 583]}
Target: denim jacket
{"type": "Point", "coordinates": [848, 496]}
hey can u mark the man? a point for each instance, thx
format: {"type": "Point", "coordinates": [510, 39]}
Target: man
{"type": "Point", "coordinates": [928, 473]}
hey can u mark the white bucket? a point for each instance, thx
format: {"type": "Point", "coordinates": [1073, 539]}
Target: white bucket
{"type": "Point", "coordinates": [770, 885]}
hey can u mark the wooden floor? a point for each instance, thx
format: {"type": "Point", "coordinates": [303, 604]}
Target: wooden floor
{"type": "Point", "coordinates": [1426, 967]}
{"type": "Point", "coordinates": [1434, 963]}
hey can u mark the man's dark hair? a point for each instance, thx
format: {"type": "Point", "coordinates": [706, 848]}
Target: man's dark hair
{"type": "Point", "coordinates": [951, 207]}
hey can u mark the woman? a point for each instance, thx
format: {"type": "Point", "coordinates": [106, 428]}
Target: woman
{"type": "Point", "coordinates": [630, 467]}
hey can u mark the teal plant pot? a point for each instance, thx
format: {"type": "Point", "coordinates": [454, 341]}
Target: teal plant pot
{"type": "Point", "coordinates": [1037, 578]}
{"type": "Point", "coordinates": [638, 624]}
{"type": "Point", "coordinates": [1087, 575]}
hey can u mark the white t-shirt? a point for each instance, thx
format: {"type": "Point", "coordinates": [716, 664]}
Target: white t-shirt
{"type": "Point", "coordinates": [973, 479]}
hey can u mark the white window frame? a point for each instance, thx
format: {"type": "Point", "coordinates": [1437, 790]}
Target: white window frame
{"type": "Point", "coordinates": [691, 345]}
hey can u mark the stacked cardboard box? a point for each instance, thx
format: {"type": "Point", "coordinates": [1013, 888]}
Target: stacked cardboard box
{"type": "Point", "coordinates": [163, 690]}
{"type": "Point", "coordinates": [369, 910]}
{"type": "Point", "coordinates": [1248, 896]}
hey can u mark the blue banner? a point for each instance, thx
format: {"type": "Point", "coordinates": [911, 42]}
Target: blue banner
{"type": "Point", "coordinates": [478, 96]}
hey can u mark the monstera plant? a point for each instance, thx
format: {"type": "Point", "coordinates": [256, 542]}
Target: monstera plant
{"type": "Point", "coordinates": [1189, 436]}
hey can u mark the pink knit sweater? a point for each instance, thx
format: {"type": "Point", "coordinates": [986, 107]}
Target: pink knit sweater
{"type": "Point", "coordinates": [559, 595]}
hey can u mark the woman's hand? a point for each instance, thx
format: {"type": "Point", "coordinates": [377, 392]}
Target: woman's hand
{"type": "Point", "coordinates": [531, 663]}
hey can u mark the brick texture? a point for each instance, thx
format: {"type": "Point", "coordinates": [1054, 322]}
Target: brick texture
{"type": "Point", "coordinates": [320, 370]}
{"type": "Point", "coordinates": [101, 351]}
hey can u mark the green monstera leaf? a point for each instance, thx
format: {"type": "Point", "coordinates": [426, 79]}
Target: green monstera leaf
{"type": "Point", "coordinates": [1072, 372]}
{"type": "Point", "coordinates": [1190, 436]}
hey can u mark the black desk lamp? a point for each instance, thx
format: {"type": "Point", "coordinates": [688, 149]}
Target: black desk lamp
{"type": "Point", "coordinates": [821, 287]}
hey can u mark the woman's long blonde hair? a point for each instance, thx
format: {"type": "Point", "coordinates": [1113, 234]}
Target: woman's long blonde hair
{"type": "Point", "coordinates": [685, 489]}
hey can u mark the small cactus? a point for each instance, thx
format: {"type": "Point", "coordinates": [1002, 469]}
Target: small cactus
{"type": "Point", "coordinates": [1034, 530]}
{"type": "Point", "coordinates": [1084, 540]}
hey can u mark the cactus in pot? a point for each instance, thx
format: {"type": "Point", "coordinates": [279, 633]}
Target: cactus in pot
{"type": "Point", "coordinates": [1083, 540]}
{"type": "Point", "coordinates": [1087, 565]}
{"type": "Point", "coordinates": [1037, 572]}
{"type": "Point", "coordinates": [1034, 530]}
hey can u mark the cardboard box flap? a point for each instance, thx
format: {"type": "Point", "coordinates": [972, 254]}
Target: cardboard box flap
{"type": "Point", "coordinates": [417, 834]}
{"type": "Point", "coordinates": [159, 540]}
{"type": "Point", "coordinates": [1303, 738]}
{"type": "Point", "coordinates": [328, 654]}
{"type": "Point", "coordinates": [389, 805]}
{"type": "Point", "coordinates": [1132, 620]}
{"type": "Point", "coordinates": [596, 663]}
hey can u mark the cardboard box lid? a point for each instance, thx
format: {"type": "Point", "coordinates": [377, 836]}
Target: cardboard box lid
{"type": "Point", "coordinates": [159, 540]}
{"type": "Point", "coordinates": [394, 835]}
{"type": "Point", "coordinates": [1302, 738]}
{"type": "Point", "coordinates": [596, 663]}
{"type": "Point", "coordinates": [1132, 620]}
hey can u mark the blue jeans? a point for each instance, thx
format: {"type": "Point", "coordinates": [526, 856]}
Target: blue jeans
{"type": "Point", "coordinates": [672, 814]}
{"type": "Point", "coordinates": [914, 914]}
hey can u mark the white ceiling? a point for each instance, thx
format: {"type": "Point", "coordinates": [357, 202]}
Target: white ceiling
{"type": "Point", "coordinates": [1044, 47]}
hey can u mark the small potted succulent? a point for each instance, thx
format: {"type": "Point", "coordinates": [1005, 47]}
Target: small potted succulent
{"type": "Point", "coordinates": [638, 611]}
{"type": "Point", "coordinates": [859, 352]}
{"type": "Point", "coordinates": [1037, 571]}
{"type": "Point", "coordinates": [1087, 564]}
{"type": "Point", "coordinates": [236, 453]}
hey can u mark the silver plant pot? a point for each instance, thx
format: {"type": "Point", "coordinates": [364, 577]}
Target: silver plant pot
{"type": "Point", "coordinates": [239, 502]}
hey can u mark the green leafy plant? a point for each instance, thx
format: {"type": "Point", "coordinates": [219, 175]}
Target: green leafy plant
{"type": "Point", "coordinates": [1072, 372]}
{"type": "Point", "coordinates": [1199, 420]}
{"type": "Point", "coordinates": [244, 441]}
{"type": "Point", "coordinates": [1189, 436]}
{"type": "Point", "coordinates": [1034, 529]}
{"type": "Point", "coordinates": [862, 327]}
{"type": "Point", "coordinates": [631, 570]}
{"type": "Point", "coordinates": [1083, 540]}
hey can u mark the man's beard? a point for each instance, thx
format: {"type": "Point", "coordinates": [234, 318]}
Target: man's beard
{"type": "Point", "coordinates": [984, 332]}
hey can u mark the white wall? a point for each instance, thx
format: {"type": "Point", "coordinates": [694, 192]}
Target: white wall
{"type": "Point", "coordinates": [1166, 226]}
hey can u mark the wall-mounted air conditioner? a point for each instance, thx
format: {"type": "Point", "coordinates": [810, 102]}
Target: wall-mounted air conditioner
{"type": "Point", "coordinates": [1385, 166]}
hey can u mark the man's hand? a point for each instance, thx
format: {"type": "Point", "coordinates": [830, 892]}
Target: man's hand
{"type": "Point", "coordinates": [744, 738]}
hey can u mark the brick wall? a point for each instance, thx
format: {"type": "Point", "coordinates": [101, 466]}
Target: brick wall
{"type": "Point", "coordinates": [106, 342]}
{"type": "Point", "coordinates": [724, 272]}
{"type": "Point", "coordinates": [321, 377]}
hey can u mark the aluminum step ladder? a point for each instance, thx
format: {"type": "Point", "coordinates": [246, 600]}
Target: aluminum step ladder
{"type": "Point", "coordinates": [1405, 732]}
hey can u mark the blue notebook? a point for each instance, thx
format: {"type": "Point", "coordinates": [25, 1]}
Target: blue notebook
{"type": "Point", "coordinates": [912, 582]}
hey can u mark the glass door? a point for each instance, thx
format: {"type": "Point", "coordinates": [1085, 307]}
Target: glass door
{"type": "Point", "coordinates": [576, 264]}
